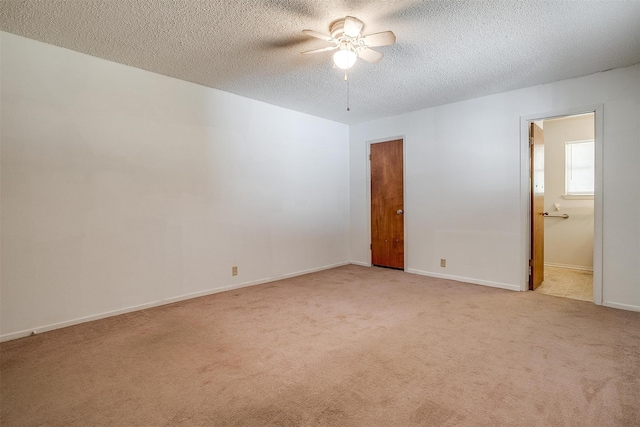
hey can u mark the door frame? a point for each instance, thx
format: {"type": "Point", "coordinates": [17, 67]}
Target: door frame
{"type": "Point", "coordinates": [404, 190]}
{"type": "Point", "coordinates": [525, 192]}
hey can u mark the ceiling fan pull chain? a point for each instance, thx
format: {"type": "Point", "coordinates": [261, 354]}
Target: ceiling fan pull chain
{"type": "Point", "coordinates": [347, 80]}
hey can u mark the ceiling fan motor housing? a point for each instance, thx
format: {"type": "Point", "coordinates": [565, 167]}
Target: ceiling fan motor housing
{"type": "Point", "coordinates": [343, 40]}
{"type": "Point", "coordinates": [337, 29]}
{"type": "Point", "coordinates": [346, 35]}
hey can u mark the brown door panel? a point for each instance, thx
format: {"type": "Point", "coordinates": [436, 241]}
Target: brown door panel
{"type": "Point", "coordinates": [537, 206]}
{"type": "Point", "coordinates": [387, 204]}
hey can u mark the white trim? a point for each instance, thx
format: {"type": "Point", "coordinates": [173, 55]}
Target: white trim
{"type": "Point", "coordinates": [598, 203]}
{"type": "Point", "coordinates": [404, 191]}
{"type": "Point", "coordinates": [598, 110]}
{"type": "Point", "coordinates": [363, 264]}
{"type": "Point", "coordinates": [465, 280]}
{"type": "Point", "coordinates": [578, 196]}
{"type": "Point", "coordinates": [525, 201]}
{"type": "Point", "coordinates": [52, 326]}
{"type": "Point", "coordinates": [621, 306]}
{"type": "Point", "coordinates": [569, 267]}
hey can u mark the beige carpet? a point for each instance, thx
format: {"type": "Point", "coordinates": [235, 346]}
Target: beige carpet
{"type": "Point", "coordinates": [352, 346]}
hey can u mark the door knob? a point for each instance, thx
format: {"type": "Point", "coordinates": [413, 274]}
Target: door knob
{"type": "Point", "coordinates": [399, 211]}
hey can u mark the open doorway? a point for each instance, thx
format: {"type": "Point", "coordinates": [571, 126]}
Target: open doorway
{"type": "Point", "coordinates": [562, 206]}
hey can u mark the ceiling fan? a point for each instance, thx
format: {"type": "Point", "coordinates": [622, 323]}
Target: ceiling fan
{"type": "Point", "coordinates": [346, 37]}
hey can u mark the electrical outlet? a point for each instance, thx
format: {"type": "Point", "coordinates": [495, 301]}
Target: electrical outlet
{"type": "Point", "coordinates": [443, 262]}
{"type": "Point", "coordinates": [234, 271]}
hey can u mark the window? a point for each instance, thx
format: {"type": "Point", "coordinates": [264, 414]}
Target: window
{"type": "Point", "coordinates": [579, 168]}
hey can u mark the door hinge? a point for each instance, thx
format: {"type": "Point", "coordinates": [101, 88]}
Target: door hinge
{"type": "Point", "coordinates": [530, 266]}
{"type": "Point", "coordinates": [371, 246]}
{"type": "Point", "coordinates": [369, 157]}
{"type": "Point", "coordinates": [530, 140]}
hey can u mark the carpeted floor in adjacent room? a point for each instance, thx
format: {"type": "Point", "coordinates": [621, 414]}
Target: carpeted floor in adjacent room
{"type": "Point", "coordinates": [350, 346]}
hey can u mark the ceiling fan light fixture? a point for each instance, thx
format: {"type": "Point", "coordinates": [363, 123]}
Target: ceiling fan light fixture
{"type": "Point", "coordinates": [345, 57]}
{"type": "Point", "coordinates": [349, 43]}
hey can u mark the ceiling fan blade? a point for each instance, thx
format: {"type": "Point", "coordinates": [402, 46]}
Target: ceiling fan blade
{"type": "Point", "coordinates": [370, 55]}
{"type": "Point", "coordinates": [322, 49]}
{"type": "Point", "coordinates": [352, 26]}
{"type": "Point", "coordinates": [317, 35]}
{"type": "Point", "coordinates": [384, 38]}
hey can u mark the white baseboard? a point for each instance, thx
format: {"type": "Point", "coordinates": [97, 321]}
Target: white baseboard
{"type": "Point", "coordinates": [627, 307]}
{"type": "Point", "coordinates": [466, 280]}
{"type": "Point", "coordinates": [364, 264]}
{"type": "Point", "coordinates": [58, 325]}
{"type": "Point", "coordinates": [570, 267]}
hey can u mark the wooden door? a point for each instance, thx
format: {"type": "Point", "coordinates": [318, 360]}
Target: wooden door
{"type": "Point", "coordinates": [387, 205]}
{"type": "Point", "coordinates": [536, 143]}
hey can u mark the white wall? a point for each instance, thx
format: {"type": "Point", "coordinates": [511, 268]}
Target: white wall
{"type": "Point", "coordinates": [567, 243]}
{"type": "Point", "coordinates": [122, 188]}
{"type": "Point", "coordinates": [464, 170]}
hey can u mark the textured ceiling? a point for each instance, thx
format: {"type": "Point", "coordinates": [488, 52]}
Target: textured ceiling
{"type": "Point", "coordinates": [446, 51]}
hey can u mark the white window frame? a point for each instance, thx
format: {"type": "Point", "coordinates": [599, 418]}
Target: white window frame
{"type": "Point", "coordinates": [567, 172]}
